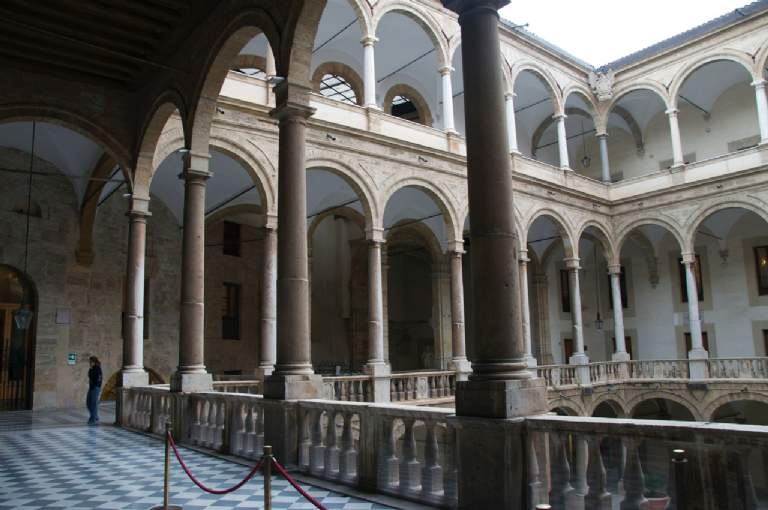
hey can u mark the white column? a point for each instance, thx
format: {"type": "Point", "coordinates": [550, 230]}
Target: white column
{"type": "Point", "coordinates": [762, 109]}
{"type": "Point", "coordinates": [677, 145]}
{"type": "Point", "coordinates": [369, 71]}
{"type": "Point", "coordinates": [376, 366]}
{"type": "Point", "coordinates": [697, 354]}
{"type": "Point", "coordinates": [562, 141]}
{"type": "Point", "coordinates": [449, 124]}
{"type": "Point", "coordinates": [459, 361]}
{"type": "Point", "coordinates": [602, 139]}
{"type": "Point", "coordinates": [618, 314]}
{"type": "Point", "coordinates": [526, 308]}
{"type": "Point", "coordinates": [268, 331]}
{"type": "Point", "coordinates": [579, 357]}
{"type": "Point", "coordinates": [509, 103]}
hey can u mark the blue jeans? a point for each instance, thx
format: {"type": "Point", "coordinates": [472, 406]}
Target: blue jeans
{"type": "Point", "coordinates": [92, 402]}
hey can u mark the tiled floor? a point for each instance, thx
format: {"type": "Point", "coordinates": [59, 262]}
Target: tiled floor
{"type": "Point", "coordinates": [54, 460]}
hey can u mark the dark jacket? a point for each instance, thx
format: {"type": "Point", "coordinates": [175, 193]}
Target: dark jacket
{"type": "Point", "coordinates": [94, 377]}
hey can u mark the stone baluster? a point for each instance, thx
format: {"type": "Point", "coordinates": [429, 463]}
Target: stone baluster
{"type": "Point", "coordinates": [221, 425]}
{"type": "Point", "coordinates": [598, 497]}
{"type": "Point", "coordinates": [259, 424]}
{"type": "Point", "coordinates": [432, 472]}
{"type": "Point", "coordinates": [237, 431]}
{"type": "Point", "coordinates": [317, 453]}
{"type": "Point", "coordinates": [409, 464]}
{"type": "Point", "coordinates": [389, 473]}
{"type": "Point", "coordinates": [211, 424]}
{"type": "Point", "coordinates": [305, 441]}
{"type": "Point", "coordinates": [348, 459]}
{"type": "Point", "coordinates": [194, 429]}
{"type": "Point", "coordinates": [534, 473]}
{"type": "Point", "coordinates": [451, 470]}
{"type": "Point", "coordinates": [561, 471]}
{"type": "Point", "coordinates": [249, 446]}
{"type": "Point", "coordinates": [331, 448]}
{"type": "Point", "coordinates": [634, 480]}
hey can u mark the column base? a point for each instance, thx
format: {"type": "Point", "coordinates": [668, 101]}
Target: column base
{"type": "Point", "coordinates": [196, 382]}
{"type": "Point", "coordinates": [462, 367]}
{"type": "Point", "coordinates": [501, 399]}
{"type": "Point", "coordinates": [380, 374]}
{"type": "Point", "coordinates": [129, 379]}
{"type": "Point", "coordinates": [581, 361]}
{"type": "Point", "coordinates": [281, 429]}
{"type": "Point", "coordinates": [677, 167]}
{"type": "Point", "coordinates": [697, 363]}
{"type": "Point", "coordinates": [262, 373]}
{"type": "Point", "coordinates": [531, 361]}
{"type": "Point", "coordinates": [293, 387]}
{"type": "Point", "coordinates": [620, 356]}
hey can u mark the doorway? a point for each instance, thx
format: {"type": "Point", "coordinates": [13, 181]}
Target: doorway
{"type": "Point", "coordinates": [17, 338]}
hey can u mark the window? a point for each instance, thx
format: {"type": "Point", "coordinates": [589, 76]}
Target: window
{"type": "Point", "coordinates": [622, 287]}
{"type": "Point", "coordinates": [697, 276]}
{"type": "Point", "coordinates": [627, 343]}
{"type": "Point", "coordinates": [567, 350]}
{"type": "Point", "coordinates": [565, 291]}
{"type": "Point", "coordinates": [761, 265]}
{"type": "Point", "coordinates": [230, 315]}
{"type": "Point", "coordinates": [405, 109]}
{"type": "Point", "coordinates": [704, 340]}
{"type": "Point", "coordinates": [335, 87]}
{"type": "Point", "coordinates": [231, 243]}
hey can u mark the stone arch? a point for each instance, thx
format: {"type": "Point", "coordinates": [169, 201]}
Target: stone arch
{"type": "Point", "coordinates": [724, 54]}
{"type": "Point", "coordinates": [695, 222]}
{"type": "Point", "coordinates": [363, 188]}
{"type": "Point", "coordinates": [544, 76]}
{"type": "Point", "coordinates": [760, 60]}
{"type": "Point", "coordinates": [424, 20]}
{"type": "Point", "coordinates": [712, 407]}
{"type": "Point", "coordinates": [539, 133]}
{"type": "Point", "coordinates": [603, 237]}
{"type": "Point", "coordinates": [634, 127]}
{"type": "Point", "coordinates": [99, 174]}
{"type": "Point", "coordinates": [569, 406]}
{"type": "Point", "coordinates": [626, 230]}
{"type": "Point", "coordinates": [364, 14]}
{"type": "Point", "coordinates": [670, 395]}
{"type": "Point", "coordinates": [401, 89]}
{"type": "Point", "coordinates": [656, 88]}
{"type": "Point", "coordinates": [586, 95]}
{"type": "Point", "coordinates": [234, 209]}
{"type": "Point", "coordinates": [249, 62]}
{"type": "Point", "coordinates": [343, 70]}
{"type": "Point", "coordinates": [431, 242]}
{"type": "Point", "coordinates": [610, 400]}
{"type": "Point", "coordinates": [562, 225]}
{"type": "Point", "coordinates": [436, 193]}
{"type": "Point", "coordinates": [346, 212]}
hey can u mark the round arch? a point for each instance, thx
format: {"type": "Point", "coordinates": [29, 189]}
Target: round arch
{"type": "Point", "coordinates": [421, 18]}
{"type": "Point", "coordinates": [544, 76]}
{"type": "Point", "coordinates": [690, 407]}
{"type": "Point", "coordinates": [624, 233]}
{"type": "Point", "coordinates": [565, 409]}
{"type": "Point", "coordinates": [693, 225]}
{"type": "Point", "coordinates": [603, 237]}
{"type": "Point", "coordinates": [431, 242]}
{"type": "Point", "coordinates": [437, 194]}
{"type": "Point", "coordinates": [561, 223]}
{"type": "Point", "coordinates": [754, 396]}
{"type": "Point", "coordinates": [586, 96]}
{"type": "Point", "coordinates": [222, 214]}
{"type": "Point", "coordinates": [401, 89]}
{"type": "Point", "coordinates": [608, 402]}
{"type": "Point", "coordinates": [680, 78]}
{"type": "Point", "coordinates": [655, 88]}
{"type": "Point", "coordinates": [343, 70]}
{"type": "Point", "coordinates": [346, 212]}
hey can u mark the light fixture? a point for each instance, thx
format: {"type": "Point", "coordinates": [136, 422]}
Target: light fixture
{"type": "Point", "coordinates": [598, 319]}
{"type": "Point", "coordinates": [586, 160]}
{"type": "Point", "coordinates": [23, 316]}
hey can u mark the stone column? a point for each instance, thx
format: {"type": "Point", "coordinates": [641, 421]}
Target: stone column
{"type": "Point", "coordinates": [677, 145]}
{"type": "Point", "coordinates": [602, 139]}
{"type": "Point", "coordinates": [268, 305]}
{"type": "Point", "coordinates": [441, 313]}
{"type": "Point", "coordinates": [293, 376]}
{"type": "Point", "coordinates": [191, 375]}
{"type": "Point", "coordinates": [449, 124]}
{"type": "Point", "coordinates": [509, 102]}
{"type": "Point", "coordinates": [369, 71]}
{"type": "Point", "coordinates": [526, 308]}
{"type": "Point", "coordinates": [762, 109]}
{"type": "Point", "coordinates": [491, 452]}
{"type": "Point", "coordinates": [621, 353]}
{"type": "Point", "coordinates": [132, 372]}
{"type": "Point", "coordinates": [562, 141]}
{"type": "Point", "coordinates": [376, 367]}
{"type": "Point", "coordinates": [579, 357]}
{"type": "Point", "coordinates": [459, 362]}
{"type": "Point", "coordinates": [697, 354]}
{"type": "Point", "coordinates": [541, 295]}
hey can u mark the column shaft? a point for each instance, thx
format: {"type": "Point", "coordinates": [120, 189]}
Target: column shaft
{"type": "Point", "coordinates": [449, 123]}
{"type": "Point", "coordinates": [268, 303]}
{"type": "Point", "coordinates": [604, 161]}
{"type": "Point", "coordinates": [578, 330]}
{"type": "Point", "coordinates": [375, 305]}
{"type": "Point", "coordinates": [762, 109]}
{"type": "Point", "coordinates": [457, 308]}
{"type": "Point", "coordinates": [369, 72]}
{"type": "Point", "coordinates": [526, 308]}
{"type": "Point", "coordinates": [697, 343]}
{"type": "Point", "coordinates": [509, 101]}
{"type": "Point", "coordinates": [677, 144]}
{"type": "Point", "coordinates": [618, 314]}
{"type": "Point", "coordinates": [562, 142]}
{"type": "Point", "coordinates": [132, 372]}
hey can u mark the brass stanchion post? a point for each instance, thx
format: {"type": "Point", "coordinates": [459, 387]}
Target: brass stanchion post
{"type": "Point", "coordinates": [267, 478]}
{"type": "Point", "coordinates": [167, 472]}
{"type": "Point", "coordinates": [679, 462]}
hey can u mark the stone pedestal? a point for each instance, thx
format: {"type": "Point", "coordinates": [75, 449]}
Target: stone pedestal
{"type": "Point", "coordinates": [190, 382]}
{"type": "Point", "coordinates": [501, 399]}
{"type": "Point", "coordinates": [462, 367]}
{"type": "Point", "coordinates": [620, 356]}
{"type": "Point", "coordinates": [128, 379]}
{"type": "Point", "coordinates": [281, 431]}
{"type": "Point", "coordinates": [697, 363]}
{"type": "Point", "coordinates": [293, 387]}
{"type": "Point", "coordinates": [380, 373]}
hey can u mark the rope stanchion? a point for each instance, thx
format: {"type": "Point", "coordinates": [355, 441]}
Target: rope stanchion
{"type": "Point", "coordinates": [167, 473]}
{"type": "Point", "coordinates": [245, 480]}
{"type": "Point", "coordinates": [268, 459]}
{"type": "Point", "coordinates": [299, 489]}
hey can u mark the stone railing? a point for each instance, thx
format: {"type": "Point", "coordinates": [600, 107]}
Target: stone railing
{"type": "Point", "coordinates": [238, 386]}
{"type": "Point", "coordinates": [422, 386]}
{"type": "Point", "coordinates": [658, 369]}
{"type": "Point", "coordinates": [577, 463]}
{"type": "Point", "coordinates": [738, 368]}
{"type": "Point", "coordinates": [557, 376]}
{"type": "Point", "coordinates": [348, 388]}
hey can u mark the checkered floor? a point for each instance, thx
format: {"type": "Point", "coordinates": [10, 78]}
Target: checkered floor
{"type": "Point", "coordinates": [48, 462]}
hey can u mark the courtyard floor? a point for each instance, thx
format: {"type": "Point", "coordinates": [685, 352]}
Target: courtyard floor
{"type": "Point", "coordinates": [52, 459]}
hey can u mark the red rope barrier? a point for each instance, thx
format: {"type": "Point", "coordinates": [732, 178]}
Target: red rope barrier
{"type": "Point", "coordinates": [296, 486]}
{"type": "Point", "coordinates": [245, 480]}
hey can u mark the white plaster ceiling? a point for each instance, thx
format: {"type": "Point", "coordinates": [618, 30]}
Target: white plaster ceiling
{"type": "Point", "coordinates": [722, 223]}
{"type": "Point", "coordinates": [707, 83]}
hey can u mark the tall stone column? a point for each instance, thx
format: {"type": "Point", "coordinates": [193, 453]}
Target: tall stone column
{"type": "Point", "coordinates": [762, 109]}
{"type": "Point", "coordinates": [268, 305]}
{"type": "Point", "coordinates": [677, 144]}
{"type": "Point", "coordinates": [509, 102]}
{"type": "Point", "coordinates": [459, 362]}
{"type": "Point", "coordinates": [369, 71]}
{"type": "Point", "coordinates": [579, 357]}
{"type": "Point", "coordinates": [621, 353]}
{"type": "Point", "coordinates": [491, 454]}
{"type": "Point", "coordinates": [191, 375]}
{"type": "Point", "coordinates": [697, 354]}
{"type": "Point", "coordinates": [441, 314]}
{"type": "Point", "coordinates": [541, 295]}
{"type": "Point", "coordinates": [562, 141]}
{"type": "Point", "coordinates": [449, 124]}
{"type": "Point", "coordinates": [132, 372]}
{"type": "Point", "coordinates": [293, 376]}
{"type": "Point", "coordinates": [376, 367]}
{"type": "Point", "coordinates": [526, 308]}
{"type": "Point", "coordinates": [602, 140]}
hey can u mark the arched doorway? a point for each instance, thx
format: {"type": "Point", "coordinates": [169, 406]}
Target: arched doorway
{"type": "Point", "coordinates": [17, 339]}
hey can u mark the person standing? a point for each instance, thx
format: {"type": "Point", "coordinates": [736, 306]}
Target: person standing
{"type": "Point", "coordinates": [94, 388]}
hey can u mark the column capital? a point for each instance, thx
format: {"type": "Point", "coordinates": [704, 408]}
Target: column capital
{"type": "Point", "coordinates": [462, 7]}
{"type": "Point", "coordinates": [510, 95]}
{"type": "Point", "coordinates": [375, 235]}
{"type": "Point", "coordinates": [601, 134]}
{"type": "Point", "coordinates": [614, 269]}
{"type": "Point", "coordinates": [522, 257]}
{"type": "Point", "coordinates": [139, 205]}
{"type": "Point", "coordinates": [559, 116]}
{"type": "Point", "coordinates": [759, 83]}
{"type": "Point", "coordinates": [292, 112]}
{"type": "Point", "coordinates": [572, 263]}
{"type": "Point", "coordinates": [445, 70]}
{"type": "Point", "coordinates": [270, 221]}
{"type": "Point", "coordinates": [369, 40]}
{"type": "Point", "coordinates": [138, 215]}
{"type": "Point", "coordinates": [456, 247]}
{"type": "Point", "coordinates": [292, 100]}
{"type": "Point", "coordinates": [672, 112]}
{"type": "Point", "coordinates": [688, 257]}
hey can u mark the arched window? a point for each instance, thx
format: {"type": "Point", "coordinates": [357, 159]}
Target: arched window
{"type": "Point", "coordinates": [405, 109]}
{"type": "Point", "coordinates": [335, 87]}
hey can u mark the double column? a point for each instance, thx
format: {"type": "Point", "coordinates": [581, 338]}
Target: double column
{"type": "Point", "coordinates": [377, 367]}
{"type": "Point", "coordinates": [762, 109]}
{"type": "Point", "coordinates": [697, 354]}
{"type": "Point", "coordinates": [621, 353]}
{"type": "Point", "coordinates": [132, 372]}
{"type": "Point", "coordinates": [562, 141]}
{"type": "Point", "coordinates": [191, 375]}
{"type": "Point", "coordinates": [677, 144]}
{"type": "Point", "coordinates": [579, 356]}
{"type": "Point", "coordinates": [369, 71]}
{"type": "Point", "coordinates": [459, 362]}
{"type": "Point", "coordinates": [526, 308]}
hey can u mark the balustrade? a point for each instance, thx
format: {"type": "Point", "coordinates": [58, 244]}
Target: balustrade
{"type": "Point", "coordinates": [738, 368]}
